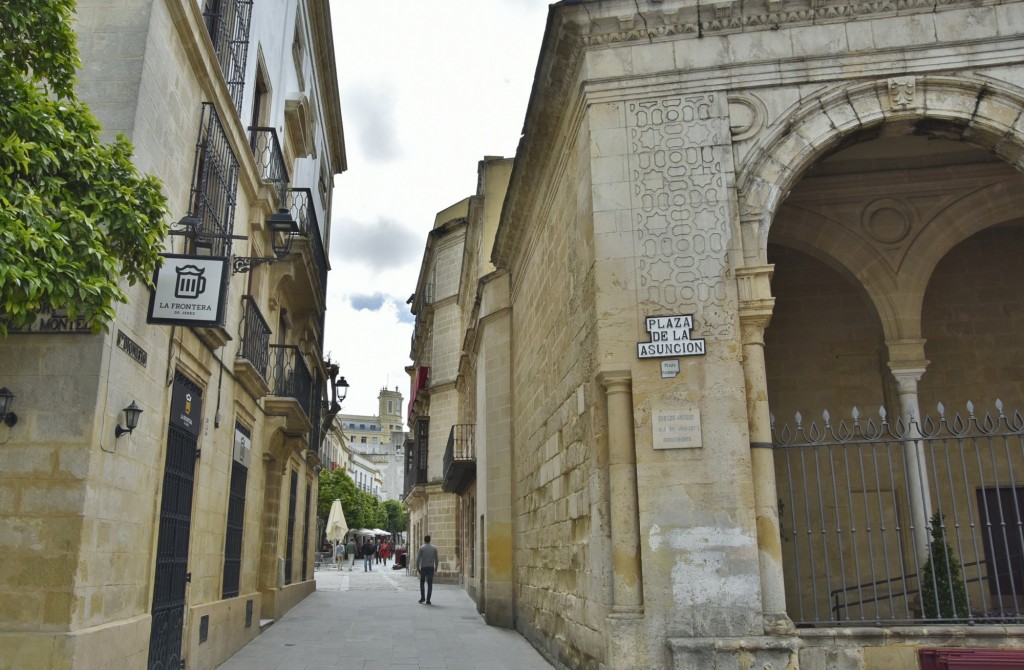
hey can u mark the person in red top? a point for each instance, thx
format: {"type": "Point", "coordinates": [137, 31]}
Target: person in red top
{"type": "Point", "coordinates": [385, 551]}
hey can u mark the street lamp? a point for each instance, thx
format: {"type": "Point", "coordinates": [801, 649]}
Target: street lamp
{"type": "Point", "coordinates": [131, 420]}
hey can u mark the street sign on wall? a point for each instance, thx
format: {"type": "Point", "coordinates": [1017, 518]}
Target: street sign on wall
{"type": "Point", "coordinates": [670, 337]}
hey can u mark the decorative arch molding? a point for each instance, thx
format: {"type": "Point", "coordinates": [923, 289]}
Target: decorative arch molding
{"type": "Point", "coordinates": [983, 112]}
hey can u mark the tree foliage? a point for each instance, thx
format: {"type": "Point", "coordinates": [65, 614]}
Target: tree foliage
{"type": "Point", "coordinates": [397, 520]}
{"type": "Point", "coordinates": [943, 593]}
{"type": "Point", "coordinates": [75, 214]}
{"type": "Point", "coordinates": [362, 509]}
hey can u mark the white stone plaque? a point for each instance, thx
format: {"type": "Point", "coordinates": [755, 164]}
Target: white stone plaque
{"type": "Point", "coordinates": [676, 428]}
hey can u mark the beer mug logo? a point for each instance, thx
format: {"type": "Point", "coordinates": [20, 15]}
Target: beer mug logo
{"type": "Point", "coordinates": [188, 403]}
{"type": "Point", "coordinates": [190, 283]}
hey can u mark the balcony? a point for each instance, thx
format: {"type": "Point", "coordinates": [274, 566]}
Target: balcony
{"type": "Point", "coordinates": [416, 457]}
{"type": "Point", "coordinates": [460, 459]}
{"type": "Point", "coordinates": [291, 388]}
{"type": "Point", "coordinates": [309, 242]}
{"type": "Point", "coordinates": [254, 353]}
{"type": "Point", "coordinates": [266, 149]}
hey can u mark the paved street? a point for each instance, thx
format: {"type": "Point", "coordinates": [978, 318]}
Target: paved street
{"type": "Point", "coordinates": [371, 621]}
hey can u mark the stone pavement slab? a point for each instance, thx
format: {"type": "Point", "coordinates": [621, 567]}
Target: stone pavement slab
{"type": "Point", "coordinates": [360, 620]}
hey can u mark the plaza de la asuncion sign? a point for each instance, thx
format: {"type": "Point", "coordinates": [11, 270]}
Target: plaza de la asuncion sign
{"type": "Point", "coordinates": [670, 337]}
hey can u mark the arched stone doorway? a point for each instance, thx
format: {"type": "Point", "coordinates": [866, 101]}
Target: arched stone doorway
{"type": "Point", "coordinates": [889, 214]}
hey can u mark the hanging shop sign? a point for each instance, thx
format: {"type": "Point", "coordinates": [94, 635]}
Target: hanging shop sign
{"type": "Point", "coordinates": [670, 337]}
{"type": "Point", "coordinates": [189, 291]}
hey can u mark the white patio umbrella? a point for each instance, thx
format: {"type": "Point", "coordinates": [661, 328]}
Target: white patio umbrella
{"type": "Point", "coordinates": [336, 524]}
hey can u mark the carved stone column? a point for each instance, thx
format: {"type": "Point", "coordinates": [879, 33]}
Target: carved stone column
{"type": "Point", "coordinates": [627, 580]}
{"type": "Point", "coordinates": [907, 362]}
{"type": "Point", "coordinates": [756, 306]}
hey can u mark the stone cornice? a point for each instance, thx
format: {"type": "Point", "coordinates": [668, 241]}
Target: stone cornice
{"type": "Point", "coordinates": [733, 16]}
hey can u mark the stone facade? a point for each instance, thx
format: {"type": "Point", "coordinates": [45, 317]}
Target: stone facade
{"type": "Point", "coordinates": [828, 195]}
{"type": "Point", "coordinates": [171, 543]}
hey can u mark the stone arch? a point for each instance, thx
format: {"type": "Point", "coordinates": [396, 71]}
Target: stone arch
{"type": "Point", "coordinates": [983, 112]}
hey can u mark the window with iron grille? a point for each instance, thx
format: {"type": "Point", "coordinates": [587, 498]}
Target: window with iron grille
{"type": "Point", "coordinates": [290, 551]}
{"type": "Point", "coordinates": [227, 21]}
{"type": "Point", "coordinates": [236, 518]}
{"type": "Point", "coordinates": [422, 435]}
{"type": "Point", "coordinates": [214, 187]}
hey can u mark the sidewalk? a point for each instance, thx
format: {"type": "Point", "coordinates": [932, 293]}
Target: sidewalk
{"type": "Point", "coordinates": [371, 621]}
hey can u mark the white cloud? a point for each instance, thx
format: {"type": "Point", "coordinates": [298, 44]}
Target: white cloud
{"type": "Point", "coordinates": [427, 90]}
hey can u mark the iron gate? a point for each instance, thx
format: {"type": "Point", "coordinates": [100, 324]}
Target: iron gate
{"type": "Point", "coordinates": [175, 527]}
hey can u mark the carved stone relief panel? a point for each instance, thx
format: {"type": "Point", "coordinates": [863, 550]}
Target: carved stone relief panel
{"type": "Point", "coordinates": [679, 204]}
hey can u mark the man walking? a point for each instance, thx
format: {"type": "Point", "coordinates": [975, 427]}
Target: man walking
{"type": "Point", "coordinates": [350, 550]}
{"type": "Point", "coordinates": [367, 552]}
{"type": "Point", "coordinates": [426, 565]}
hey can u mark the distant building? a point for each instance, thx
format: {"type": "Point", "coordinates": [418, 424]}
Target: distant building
{"type": "Point", "coordinates": [376, 444]}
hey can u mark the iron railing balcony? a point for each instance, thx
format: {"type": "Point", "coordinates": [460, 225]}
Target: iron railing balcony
{"type": "Point", "coordinates": [299, 201]}
{"type": "Point", "coordinates": [459, 459]}
{"type": "Point", "coordinates": [254, 352]}
{"type": "Point", "coordinates": [290, 376]}
{"type": "Point", "coordinates": [266, 149]}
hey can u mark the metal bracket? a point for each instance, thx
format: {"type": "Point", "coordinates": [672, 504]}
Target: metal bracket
{"type": "Point", "coordinates": [240, 264]}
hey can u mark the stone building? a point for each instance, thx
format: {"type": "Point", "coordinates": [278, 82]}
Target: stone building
{"type": "Point", "coordinates": [749, 358]}
{"type": "Point", "coordinates": [170, 544]}
{"type": "Point", "coordinates": [454, 304]}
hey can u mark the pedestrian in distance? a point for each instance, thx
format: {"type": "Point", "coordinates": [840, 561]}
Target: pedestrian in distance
{"type": "Point", "coordinates": [350, 550]}
{"type": "Point", "coordinates": [426, 566]}
{"type": "Point", "coordinates": [368, 552]}
{"type": "Point", "coordinates": [376, 552]}
{"type": "Point", "coordinates": [385, 551]}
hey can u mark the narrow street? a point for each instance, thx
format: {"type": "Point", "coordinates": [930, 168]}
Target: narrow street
{"type": "Point", "coordinates": [360, 620]}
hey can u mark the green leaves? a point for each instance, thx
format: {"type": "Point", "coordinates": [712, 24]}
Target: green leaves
{"type": "Point", "coordinates": [362, 509]}
{"type": "Point", "coordinates": [76, 217]}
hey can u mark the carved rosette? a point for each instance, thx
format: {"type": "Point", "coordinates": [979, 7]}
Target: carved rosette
{"type": "Point", "coordinates": [679, 193]}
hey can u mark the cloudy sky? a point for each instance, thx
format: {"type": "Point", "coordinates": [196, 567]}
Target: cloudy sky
{"type": "Point", "coordinates": [427, 90]}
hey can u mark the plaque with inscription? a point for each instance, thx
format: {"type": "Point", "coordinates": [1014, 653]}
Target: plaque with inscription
{"type": "Point", "coordinates": [676, 428]}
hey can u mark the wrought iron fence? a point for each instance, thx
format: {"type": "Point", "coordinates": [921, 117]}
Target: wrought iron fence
{"type": "Point", "coordinates": [255, 336]}
{"type": "Point", "coordinates": [912, 521]}
{"type": "Point", "coordinates": [266, 149]}
{"type": "Point", "coordinates": [291, 376]}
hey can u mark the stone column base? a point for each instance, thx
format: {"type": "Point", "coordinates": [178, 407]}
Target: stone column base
{"type": "Point", "coordinates": [735, 653]}
{"type": "Point", "coordinates": [622, 634]}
